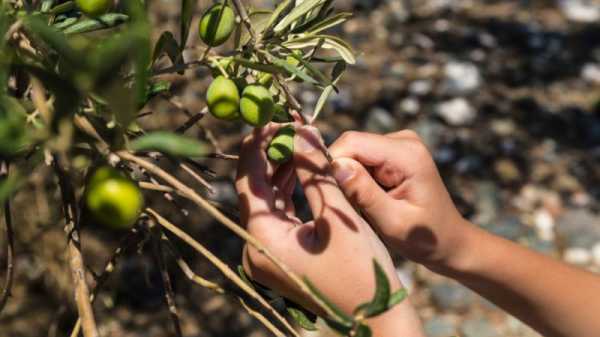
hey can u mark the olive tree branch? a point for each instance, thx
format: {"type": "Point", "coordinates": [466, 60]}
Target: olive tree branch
{"type": "Point", "coordinates": [166, 278]}
{"type": "Point", "coordinates": [132, 238]}
{"type": "Point", "coordinates": [10, 246]}
{"type": "Point", "coordinates": [222, 266]}
{"type": "Point", "coordinates": [241, 9]}
{"type": "Point", "coordinates": [71, 213]}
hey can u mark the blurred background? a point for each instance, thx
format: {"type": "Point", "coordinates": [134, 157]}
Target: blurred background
{"type": "Point", "coordinates": [506, 94]}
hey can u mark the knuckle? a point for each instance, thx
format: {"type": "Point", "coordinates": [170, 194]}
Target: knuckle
{"type": "Point", "coordinates": [411, 134]}
{"type": "Point", "coordinates": [344, 142]}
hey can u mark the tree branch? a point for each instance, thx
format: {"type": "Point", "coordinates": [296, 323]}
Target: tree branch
{"type": "Point", "coordinates": [10, 245]}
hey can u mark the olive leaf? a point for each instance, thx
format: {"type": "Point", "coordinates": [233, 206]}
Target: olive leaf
{"type": "Point", "coordinates": [187, 13]}
{"type": "Point", "coordinates": [267, 68]}
{"type": "Point", "coordinates": [363, 331]}
{"type": "Point", "coordinates": [64, 24]}
{"type": "Point", "coordinates": [303, 321]}
{"type": "Point", "coordinates": [397, 297]}
{"type": "Point", "coordinates": [106, 21]}
{"type": "Point", "coordinates": [294, 70]}
{"type": "Point", "coordinates": [46, 5]}
{"type": "Point", "coordinates": [329, 42]}
{"type": "Point", "coordinates": [171, 144]}
{"type": "Point", "coordinates": [337, 72]}
{"type": "Point", "coordinates": [282, 8]}
{"type": "Point", "coordinates": [63, 8]}
{"type": "Point", "coordinates": [379, 303]}
{"type": "Point", "coordinates": [244, 277]}
{"type": "Point", "coordinates": [329, 23]}
{"type": "Point", "coordinates": [297, 13]}
{"type": "Point", "coordinates": [167, 44]}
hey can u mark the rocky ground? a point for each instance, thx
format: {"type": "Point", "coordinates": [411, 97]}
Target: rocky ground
{"type": "Point", "coordinates": [505, 93]}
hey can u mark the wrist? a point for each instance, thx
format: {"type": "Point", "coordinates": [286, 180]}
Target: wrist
{"type": "Point", "coordinates": [401, 318]}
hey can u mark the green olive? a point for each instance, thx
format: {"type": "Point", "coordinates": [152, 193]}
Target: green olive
{"type": "Point", "coordinates": [112, 199]}
{"type": "Point", "coordinates": [257, 105]}
{"type": "Point", "coordinates": [223, 99]}
{"type": "Point", "coordinates": [94, 8]}
{"type": "Point", "coordinates": [280, 115]}
{"type": "Point", "coordinates": [265, 79]}
{"type": "Point", "coordinates": [216, 25]}
{"type": "Point", "coordinates": [281, 148]}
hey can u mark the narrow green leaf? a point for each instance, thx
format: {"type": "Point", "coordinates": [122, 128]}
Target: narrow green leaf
{"type": "Point", "coordinates": [338, 70]}
{"type": "Point", "coordinates": [294, 70]}
{"type": "Point", "coordinates": [342, 328]}
{"type": "Point", "coordinates": [323, 80]}
{"type": "Point", "coordinates": [329, 42]}
{"type": "Point", "coordinates": [65, 23]}
{"type": "Point", "coordinates": [297, 13]}
{"type": "Point", "coordinates": [171, 144]}
{"type": "Point", "coordinates": [259, 20]}
{"type": "Point", "coordinates": [280, 9]}
{"type": "Point", "coordinates": [187, 13]}
{"type": "Point", "coordinates": [397, 297]}
{"type": "Point", "coordinates": [379, 303]}
{"type": "Point", "coordinates": [54, 39]}
{"type": "Point", "coordinates": [338, 316]}
{"type": "Point", "coordinates": [63, 8]}
{"type": "Point", "coordinates": [167, 44]}
{"type": "Point", "coordinates": [106, 21]}
{"type": "Point", "coordinates": [363, 331]}
{"type": "Point", "coordinates": [243, 276]}
{"type": "Point", "coordinates": [329, 23]}
{"type": "Point", "coordinates": [46, 5]}
{"type": "Point", "coordinates": [267, 68]}
{"type": "Point", "coordinates": [300, 318]}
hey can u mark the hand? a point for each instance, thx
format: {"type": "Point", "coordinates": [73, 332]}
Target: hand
{"type": "Point", "coordinates": [335, 251]}
{"type": "Point", "coordinates": [393, 180]}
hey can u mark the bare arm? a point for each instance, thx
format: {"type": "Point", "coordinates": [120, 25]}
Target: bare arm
{"type": "Point", "coordinates": [394, 181]}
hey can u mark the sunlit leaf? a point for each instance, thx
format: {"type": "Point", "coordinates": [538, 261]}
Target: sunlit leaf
{"type": "Point", "coordinates": [338, 316]}
{"type": "Point", "coordinates": [297, 13]}
{"type": "Point", "coordinates": [338, 70]}
{"type": "Point", "coordinates": [300, 318]}
{"type": "Point", "coordinates": [171, 144]}
{"type": "Point", "coordinates": [397, 297]}
{"type": "Point", "coordinates": [294, 70]}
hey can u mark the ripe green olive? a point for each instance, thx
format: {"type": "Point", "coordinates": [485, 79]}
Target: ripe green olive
{"type": "Point", "coordinates": [223, 99]}
{"type": "Point", "coordinates": [216, 25]}
{"type": "Point", "coordinates": [281, 148]}
{"type": "Point", "coordinates": [265, 79]}
{"type": "Point", "coordinates": [257, 105]}
{"type": "Point", "coordinates": [112, 199]}
{"type": "Point", "coordinates": [280, 115]}
{"type": "Point", "coordinates": [94, 8]}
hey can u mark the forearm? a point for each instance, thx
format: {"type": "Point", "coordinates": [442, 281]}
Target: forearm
{"type": "Point", "coordinates": [401, 320]}
{"type": "Point", "coordinates": [552, 297]}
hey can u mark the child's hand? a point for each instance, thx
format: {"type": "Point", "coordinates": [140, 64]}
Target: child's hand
{"type": "Point", "coordinates": [335, 251]}
{"type": "Point", "coordinates": [394, 181]}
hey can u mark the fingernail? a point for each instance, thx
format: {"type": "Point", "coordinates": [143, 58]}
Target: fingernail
{"type": "Point", "coordinates": [342, 171]}
{"type": "Point", "coordinates": [308, 139]}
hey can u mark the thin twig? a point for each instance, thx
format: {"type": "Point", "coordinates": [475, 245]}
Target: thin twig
{"type": "Point", "coordinates": [71, 213]}
{"type": "Point", "coordinates": [222, 218]}
{"type": "Point", "coordinates": [195, 118]}
{"type": "Point", "coordinates": [10, 245]}
{"type": "Point", "coordinates": [131, 239]}
{"type": "Point", "coordinates": [241, 9]}
{"type": "Point", "coordinates": [166, 279]}
{"type": "Point", "coordinates": [222, 266]}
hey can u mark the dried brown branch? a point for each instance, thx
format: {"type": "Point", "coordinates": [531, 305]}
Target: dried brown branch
{"type": "Point", "coordinates": [131, 239]}
{"type": "Point", "coordinates": [10, 245]}
{"type": "Point", "coordinates": [166, 279]}
{"type": "Point", "coordinates": [222, 266]}
{"type": "Point", "coordinates": [71, 213]}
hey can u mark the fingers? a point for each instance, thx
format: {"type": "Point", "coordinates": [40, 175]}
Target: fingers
{"type": "Point", "coordinates": [363, 191]}
{"type": "Point", "coordinates": [367, 148]}
{"type": "Point", "coordinates": [253, 183]}
{"type": "Point", "coordinates": [325, 198]}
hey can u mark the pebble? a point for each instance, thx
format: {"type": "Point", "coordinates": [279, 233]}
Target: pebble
{"type": "Point", "coordinates": [578, 228]}
{"type": "Point", "coordinates": [461, 78]}
{"type": "Point", "coordinates": [451, 296]}
{"type": "Point", "coordinates": [479, 327]}
{"type": "Point", "coordinates": [408, 106]}
{"type": "Point", "coordinates": [591, 73]}
{"type": "Point", "coordinates": [577, 256]}
{"type": "Point", "coordinates": [456, 112]}
{"type": "Point", "coordinates": [439, 327]}
{"type": "Point", "coordinates": [379, 120]}
{"type": "Point", "coordinates": [420, 87]}
{"type": "Point", "coordinates": [544, 224]}
{"type": "Point", "coordinates": [596, 254]}
{"type": "Point", "coordinates": [585, 11]}
{"type": "Point", "coordinates": [507, 171]}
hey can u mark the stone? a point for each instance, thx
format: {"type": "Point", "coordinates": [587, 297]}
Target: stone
{"type": "Point", "coordinates": [461, 78]}
{"type": "Point", "coordinates": [596, 254]}
{"type": "Point", "coordinates": [456, 112]}
{"type": "Point", "coordinates": [420, 87]}
{"type": "Point", "coordinates": [591, 73]}
{"type": "Point", "coordinates": [452, 296]}
{"type": "Point", "coordinates": [379, 120]}
{"type": "Point", "coordinates": [510, 228]}
{"type": "Point", "coordinates": [578, 228]}
{"type": "Point", "coordinates": [439, 327]}
{"type": "Point", "coordinates": [507, 171]}
{"type": "Point", "coordinates": [544, 224]}
{"type": "Point", "coordinates": [479, 327]}
{"type": "Point", "coordinates": [409, 106]}
{"type": "Point", "coordinates": [577, 256]}
{"type": "Point", "coordinates": [585, 11]}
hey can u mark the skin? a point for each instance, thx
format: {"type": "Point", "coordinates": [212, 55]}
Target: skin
{"type": "Point", "coordinates": [337, 239]}
{"type": "Point", "coordinates": [395, 183]}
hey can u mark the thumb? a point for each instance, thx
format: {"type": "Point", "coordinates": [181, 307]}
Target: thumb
{"type": "Point", "coordinates": [363, 191]}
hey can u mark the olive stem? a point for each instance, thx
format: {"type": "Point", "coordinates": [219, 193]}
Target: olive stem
{"type": "Point", "coordinates": [10, 245]}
